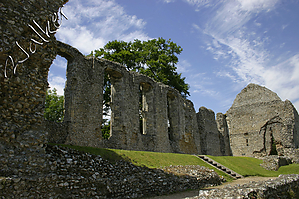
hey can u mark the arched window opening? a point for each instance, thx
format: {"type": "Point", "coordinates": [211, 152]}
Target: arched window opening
{"type": "Point", "coordinates": [54, 102]}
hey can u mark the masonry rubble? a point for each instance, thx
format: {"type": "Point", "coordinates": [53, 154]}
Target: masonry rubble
{"type": "Point", "coordinates": [285, 186]}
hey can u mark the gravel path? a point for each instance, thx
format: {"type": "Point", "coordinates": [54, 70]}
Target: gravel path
{"type": "Point", "coordinates": [193, 193]}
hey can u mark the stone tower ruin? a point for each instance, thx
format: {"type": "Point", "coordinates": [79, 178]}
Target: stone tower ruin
{"type": "Point", "coordinates": [259, 122]}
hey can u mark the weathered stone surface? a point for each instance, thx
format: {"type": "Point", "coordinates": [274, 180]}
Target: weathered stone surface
{"type": "Point", "coordinates": [168, 120]}
{"type": "Point", "coordinates": [23, 83]}
{"type": "Point", "coordinates": [210, 136]}
{"type": "Point", "coordinates": [253, 94]}
{"type": "Point", "coordinates": [224, 134]}
{"type": "Point", "coordinates": [273, 162]}
{"type": "Point", "coordinates": [285, 186]}
{"type": "Point", "coordinates": [75, 174]}
{"type": "Point", "coordinates": [258, 118]}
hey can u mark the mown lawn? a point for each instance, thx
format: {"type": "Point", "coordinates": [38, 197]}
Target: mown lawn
{"type": "Point", "coordinates": [247, 166]}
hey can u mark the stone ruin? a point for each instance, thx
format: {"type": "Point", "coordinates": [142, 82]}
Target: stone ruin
{"type": "Point", "coordinates": [257, 120]}
{"type": "Point", "coordinates": [261, 124]}
{"type": "Point", "coordinates": [169, 123]}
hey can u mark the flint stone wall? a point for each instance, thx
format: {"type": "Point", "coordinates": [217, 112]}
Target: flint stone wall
{"type": "Point", "coordinates": [75, 174]}
{"type": "Point", "coordinates": [23, 90]}
{"type": "Point", "coordinates": [285, 186]}
{"type": "Point", "coordinates": [257, 118]}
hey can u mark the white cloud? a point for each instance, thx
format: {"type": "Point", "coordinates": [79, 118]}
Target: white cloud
{"type": "Point", "coordinates": [168, 1]}
{"type": "Point", "coordinates": [90, 25]}
{"type": "Point", "coordinates": [59, 62]}
{"type": "Point", "coordinates": [247, 59]}
{"type": "Point", "coordinates": [204, 90]}
{"type": "Point", "coordinates": [57, 82]}
{"type": "Point", "coordinates": [183, 66]}
{"type": "Point", "coordinates": [93, 23]}
{"type": "Point", "coordinates": [200, 3]}
{"type": "Point", "coordinates": [257, 5]}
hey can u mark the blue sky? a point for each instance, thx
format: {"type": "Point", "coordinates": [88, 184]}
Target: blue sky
{"type": "Point", "coordinates": [227, 44]}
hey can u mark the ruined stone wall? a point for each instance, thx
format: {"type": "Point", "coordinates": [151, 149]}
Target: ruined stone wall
{"type": "Point", "coordinates": [224, 134]}
{"type": "Point", "coordinates": [257, 118]}
{"type": "Point", "coordinates": [26, 53]}
{"type": "Point", "coordinates": [168, 120]}
{"type": "Point", "coordinates": [210, 136]}
{"type": "Point", "coordinates": [83, 97]}
{"type": "Point", "coordinates": [75, 174]}
{"type": "Point", "coordinates": [57, 131]}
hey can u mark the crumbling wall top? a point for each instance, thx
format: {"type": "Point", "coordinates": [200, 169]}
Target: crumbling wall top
{"type": "Point", "coordinates": [254, 93]}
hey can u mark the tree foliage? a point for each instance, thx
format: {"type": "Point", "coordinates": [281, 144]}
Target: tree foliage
{"type": "Point", "coordinates": [54, 109]}
{"type": "Point", "coordinates": [156, 58]}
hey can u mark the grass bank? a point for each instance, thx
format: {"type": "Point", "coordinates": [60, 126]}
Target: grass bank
{"type": "Point", "coordinates": [247, 166]}
{"type": "Point", "coordinates": [243, 165]}
{"type": "Point", "coordinates": [148, 159]}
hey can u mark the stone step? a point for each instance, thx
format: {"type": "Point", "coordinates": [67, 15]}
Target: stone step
{"type": "Point", "coordinates": [220, 166]}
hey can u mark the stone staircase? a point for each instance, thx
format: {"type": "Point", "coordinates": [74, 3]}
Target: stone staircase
{"type": "Point", "coordinates": [220, 166]}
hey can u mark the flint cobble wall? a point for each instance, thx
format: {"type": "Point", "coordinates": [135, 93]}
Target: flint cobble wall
{"type": "Point", "coordinates": [75, 174]}
{"type": "Point", "coordinates": [25, 58]}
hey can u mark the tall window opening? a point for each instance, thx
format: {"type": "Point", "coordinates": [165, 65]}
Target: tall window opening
{"type": "Point", "coordinates": [140, 111]}
{"type": "Point", "coordinates": [106, 124]}
{"type": "Point", "coordinates": [54, 103]}
{"type": "Point", "coordinates": [145, 108]}
{"type": "Point", "coordinates": [170, 98]}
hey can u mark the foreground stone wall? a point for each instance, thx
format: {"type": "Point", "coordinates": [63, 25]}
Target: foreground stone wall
{"type": "Point", "coordinates": [257, 118]}
{"type": "Point", "coordinates": [75, 174]}
{"type": "Point", "coordinates": [25, 58]}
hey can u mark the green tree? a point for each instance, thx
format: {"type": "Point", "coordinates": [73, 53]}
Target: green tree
{"type": "Point", "coordinates": [54, 109]}
{"type": "Point", "coordinates": [156, 58]}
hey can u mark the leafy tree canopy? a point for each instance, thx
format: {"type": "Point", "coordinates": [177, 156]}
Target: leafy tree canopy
{"type": "Point", "coordinates": [54, 110]}
{"type": "Point", "coordinates": [156, 58]}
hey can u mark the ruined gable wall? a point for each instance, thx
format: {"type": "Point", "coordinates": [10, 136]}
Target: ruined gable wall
{"type": "Point", "coordinates": [259, 117]}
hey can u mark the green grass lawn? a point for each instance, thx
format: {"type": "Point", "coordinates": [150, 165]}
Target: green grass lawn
{"type": "Point", "coordinates": [245, 166]}
{"type": "Point", "coordinates": [148, 159]}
